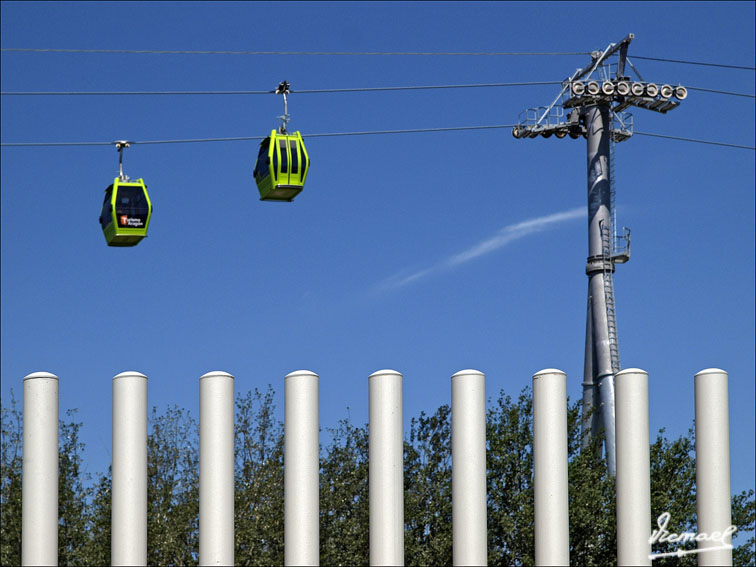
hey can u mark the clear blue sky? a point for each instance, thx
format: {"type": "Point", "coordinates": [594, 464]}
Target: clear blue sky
{"type": "Point", "coordinates": [403, 251]}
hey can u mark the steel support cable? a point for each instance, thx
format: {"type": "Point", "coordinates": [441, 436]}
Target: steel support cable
{"type": "Point", "coordinates": [696, 63]}
{"type": "Point", "coordinates": [324, 91]}
{"type": "Point", "coordinates": [257, 138]}
{"type": "Point", "coordinates": [337, 134]}
{"type": "Point", "coordinates": [695, 140]}
{"type": "Point", "coordinates": [358, 53]}
{"type": "Point", "coordinates": [303, 91]}
{"type": "Point", "coordinates": [720, 92]}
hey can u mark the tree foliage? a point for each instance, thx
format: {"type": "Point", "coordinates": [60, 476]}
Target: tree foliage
{"type": "Point", "coordinates": [258, 506]}
{"type": "Point", "coordinates": [11, 441]}
{"type": "Point", "coordinates": [73, 494]}
{"type": "Point", "coordinates": [173, 490]}
{"type": "Point", "coordinates": [428, 490]}
{"type": "Point", "coordinates": [344, 504]}
{"type": "Point", "coordinates": [509, 439]}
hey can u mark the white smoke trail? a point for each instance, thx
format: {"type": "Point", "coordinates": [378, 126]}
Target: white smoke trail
{"type": "Point", "coordinates": [503, 237]}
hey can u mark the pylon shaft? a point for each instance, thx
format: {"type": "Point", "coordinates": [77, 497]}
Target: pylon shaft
{"type": "Point", "coordinates": [597, 122]}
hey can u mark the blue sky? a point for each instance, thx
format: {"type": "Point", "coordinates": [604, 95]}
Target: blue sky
{"type": "Point", "coordinates": [427, 253]}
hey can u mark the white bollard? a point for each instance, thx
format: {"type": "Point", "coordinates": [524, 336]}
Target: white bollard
{"type": "Point", "coordinates": [216, 480]}
{"type": "Point", "coordinates": [39, 485]}
{"type": "Point", "coordinates": [633, 468]}
{"type": "Point", "coordinates": [128, 543]}
{"type": "Point", "coordinates": [713, 467]}
{"type": "Point", "coordinates": [386, 469]}
{"type": "Point", "coordinates": [552, 534]}
{"type": "Point", "coordinates": [301, 468]}
{"type": "Point", "coordinates": [468, 438]}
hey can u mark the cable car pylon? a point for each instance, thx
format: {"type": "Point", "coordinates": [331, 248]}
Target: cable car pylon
{"type": "Point", "coordinates": [594, 99]}
{"type": "Point", "coordinates": [282, 161]}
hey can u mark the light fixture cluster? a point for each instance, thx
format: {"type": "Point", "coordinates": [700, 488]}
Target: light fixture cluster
{"type": "Point", "coordinates": [627, 88]}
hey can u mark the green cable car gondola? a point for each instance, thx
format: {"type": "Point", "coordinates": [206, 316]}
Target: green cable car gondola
{"type": "Point", "coordinates": [126, 209]}
{"type": "Point", "coordinates": [281, 167]}
{"type": "Point", "coordinates": [126, 212]}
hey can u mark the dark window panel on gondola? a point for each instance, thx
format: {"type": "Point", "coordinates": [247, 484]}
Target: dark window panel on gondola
{"type": "Point", "coordinates": [294, 156]}
{"type": "Point", "coordinates": [284, 157]}
{"type": "Point", "coordinates": [262, 168]}
{"type": "Point", "coordinates": [131, 206]}
{"type": "Point", "coordinates": [106, 215]}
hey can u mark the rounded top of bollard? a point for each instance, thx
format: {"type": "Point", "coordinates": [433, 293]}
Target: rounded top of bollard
{"type": "Point", "coordinates": [385, 372]}
{"type": "Point", "coordinates": [300, 373]}
{"type": "Point", "coordinates": [712, 371]}
{"type": "Point", "coordinates": [626, 371]}
{"type": "Point", "coordinates": [35, 375]}
{"type": "Point", "coordinates": [216, 374]}
{"type": "Point", "coordinates": [129, 374]}
{"type": "Point", "coordinates": [547, 371]}
{"type": "Point", "coordinates": [467, 372]}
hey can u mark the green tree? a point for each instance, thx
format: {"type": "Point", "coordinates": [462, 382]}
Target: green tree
{"type": "Point", "coordinates": [73, 494]}
{"type": "Point", "coordinates": [509, 434]}
{"type": "Point", "coordinates": [172, 488]}
{"type": "Point", "coordinates": [592, 515]}
{"type": "Point", "coordinates": [673, 490]}
{"type": "Point", "coordinates": [427, 490]}
{"type": "Point", "coordinates": [259, 507]}
{"type": "Point", "coordinates": [98, 548]}
{"type": "Point", "coordinates": [11, 465]}
{"type": "Point", "coordinates": [744, 516]}
{"type": "Point", "coordinates": [344, 497]}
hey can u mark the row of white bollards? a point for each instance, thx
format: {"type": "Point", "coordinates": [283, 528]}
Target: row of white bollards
{"type": "Point", "coordinates": [301, 465]}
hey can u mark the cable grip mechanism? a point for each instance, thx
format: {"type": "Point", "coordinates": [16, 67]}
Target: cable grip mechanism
{"type": "Point", "coordinates": [120, 145]}
{"type": "Point", "coordinates": [283, 89]}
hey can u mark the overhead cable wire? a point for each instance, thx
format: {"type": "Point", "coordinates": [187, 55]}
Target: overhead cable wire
{"type": "Point", "coordinates": [357, 53]}
{"type": "Point", "coordinates": [338, 134]}
{"type": "Point", "coordinates": [292, 91]}
{"type": "Point", "coordinates": [360, 53]}
{"type": "Point", "coordinates": [720, 92]}
{"type": "Point", "coordinates": [257, 138]}
{"type": "Point", "coordinates": [321, 91]}
{"type": "Point", "coordinates": [696, 63]}
{"type": "Point", "coordinates": [695, 140]}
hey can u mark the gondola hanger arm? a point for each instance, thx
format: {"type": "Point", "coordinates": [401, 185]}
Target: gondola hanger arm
{"type": "Point", "coordinates": [120, 145]}
{"type": "Point", "coordinates": [284, 89]}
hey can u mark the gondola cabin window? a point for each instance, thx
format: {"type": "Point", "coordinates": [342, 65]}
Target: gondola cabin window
{"type": "Point", "coordinates": [284, 156]}
{"type": "Point", "coordinates": [294, 156]}
{"type": "Point", "coordinates": [263, 163]}
{"type": "Point", "coordinates": [106, 215]}
{"type": "Point", "coordinates": [131, 206]}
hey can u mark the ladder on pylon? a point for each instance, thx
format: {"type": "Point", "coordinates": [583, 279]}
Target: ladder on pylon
{"type": "Point", "coordinates": [611, 317]}
{"type": "Point", "coordinates": [612, 193]}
